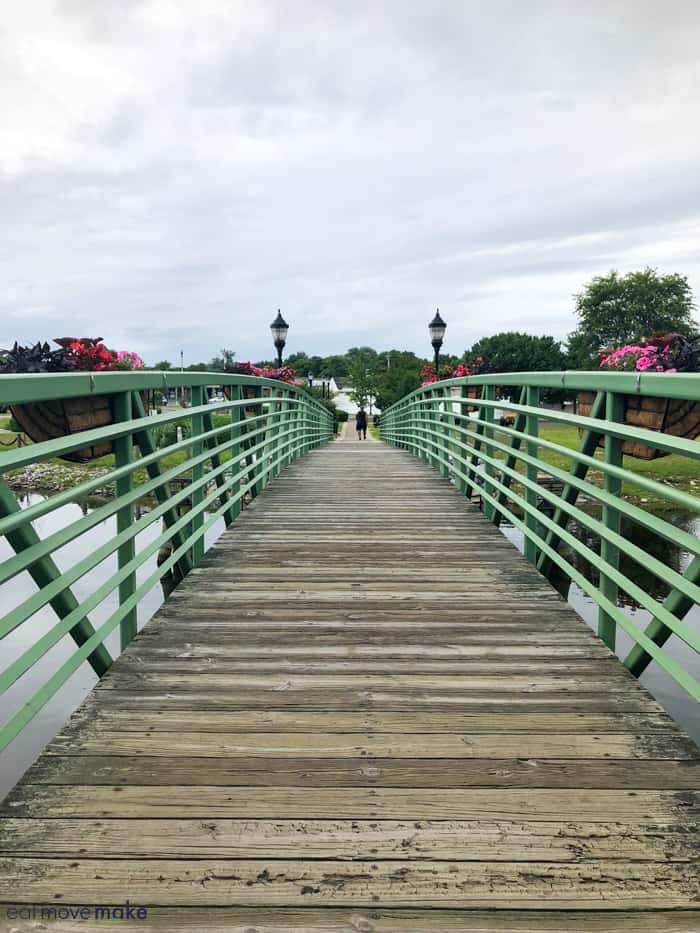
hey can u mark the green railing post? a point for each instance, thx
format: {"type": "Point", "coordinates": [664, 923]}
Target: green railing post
{"type": "Point", "coordinates": [198, 397]}
{"type": "Point", "coordinates": [252, 424]}
{"type": "Point", "coordinates": [441, 435]}
{"type": "Point", "coordinates": [279, 423]}
{"type": "Point", "coordinates": [569, 495]}
{"type": "Point", "coordinates": [123, 451]}
{"type": "Point", "coordinates": [488, 395]}
{"type": "Point", "coordinates": [511, 458]}
{"type": "Point", "coordinates": [610, 554]}
{"type": "Point", "coordinates": [532, 430]}
{"type": "Point", "coordinates": [147, 447]}
{"type": "Point", "coordinates": [237, 427]}
{"type": "Point", "coordinates": [476, 445]}
{"type": "Point", "coordinates": [229, 514]}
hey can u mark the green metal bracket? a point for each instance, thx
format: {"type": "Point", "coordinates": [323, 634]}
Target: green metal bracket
{"type": "Point", "coordinates": [569, 495]}
{"type": "Point", "coordinates": [145, 443]}
{"type": "Point", "coordinates": [511, 459]}
{"type": "Point", "coordinates": [228, 514]}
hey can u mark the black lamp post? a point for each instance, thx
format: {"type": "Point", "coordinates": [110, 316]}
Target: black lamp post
{"type": "Point", "coordinates": [279, 328]}
{"type": "Point", "coordinates": [437, 328]}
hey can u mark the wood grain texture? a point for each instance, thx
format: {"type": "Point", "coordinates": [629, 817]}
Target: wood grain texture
{"type": "Point", "coordinates": [382, 920]}
{"type": "Point", "coordinates": [363, 712]}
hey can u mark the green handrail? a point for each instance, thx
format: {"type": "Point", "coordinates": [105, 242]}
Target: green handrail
{"type": "Point", "coordinates": [269, 424]}
{"type": "Point", "coordinates": [506, 467]}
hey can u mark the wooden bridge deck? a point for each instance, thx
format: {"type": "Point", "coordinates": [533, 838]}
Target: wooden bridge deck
{"type": "Point", "coordinates": [363, 712]}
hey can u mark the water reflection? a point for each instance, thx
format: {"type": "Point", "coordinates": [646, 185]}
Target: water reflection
{"type": "Point", "coordinates": [666, 552]}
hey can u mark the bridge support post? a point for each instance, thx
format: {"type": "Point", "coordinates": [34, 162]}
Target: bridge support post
{"type": "Point", "coordinates": [123, 452]}
{"type": "Point", "coordinates": [532, 430]}
{"type": "Point", "coordinates": [610, 554]}
{"type": "Point", "coordinates": [442, 447]}
{"type": "Point", "coordinates": [198, 398]}
{"type": "Point", "coordinates": [228, 515]}
{"type": "Point", "coordinates": [511, 459]}
{"type": "Point", "coordinates": [237, 417]}
{"type": "Point", "coordinates": [162, 492]}
{"type": "Point", "coordinates": [569, 495]}
{"type": "Point", "coordinates": [488, 393]}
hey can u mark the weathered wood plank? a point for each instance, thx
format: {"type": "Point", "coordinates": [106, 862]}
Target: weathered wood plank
{"type": "Point", "coordinates": [461, 840]}
{"type": "Point", "coordinates": [501, 746]}
{"type": "Point", "coordinates": [142, 770]}
{"type": "Point", "coordinates": [406, 722]}
{"type": "Point", "coordinates": [618, 680]}
{"type": "Point", "coordinates": [396, 920]}
{"type": "Point", "coordinates": [533, 885]}
{"type": "Point", "coordinates": [208, 802]}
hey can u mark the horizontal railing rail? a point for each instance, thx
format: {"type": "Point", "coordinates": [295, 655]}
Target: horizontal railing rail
{"type": "Point", "coordinates": [227, 449]}
{"type": "Point", "coordinates": [548, 489]}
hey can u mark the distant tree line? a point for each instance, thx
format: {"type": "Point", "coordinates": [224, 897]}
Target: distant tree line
{"type": "Point", "coordinates": [611, 310]}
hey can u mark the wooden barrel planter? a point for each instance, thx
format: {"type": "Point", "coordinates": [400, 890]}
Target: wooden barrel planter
{"type": "Point", "coordinates": [248, 392]}
{"type": "Point", "coordinates": [677, 417]}
{"type": "Point", "coordinates": [468, 392]}
{"type": "Point", "coordinates": [47, 421]}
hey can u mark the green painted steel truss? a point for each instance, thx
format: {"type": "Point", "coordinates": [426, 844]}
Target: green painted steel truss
{"type": "Point", "coordinates": [188, 485]}
{"type": "Point", "coordinates": [508, 468]}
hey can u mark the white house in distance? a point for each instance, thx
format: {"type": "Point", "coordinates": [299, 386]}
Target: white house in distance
{"type": "Point", "coordinates": [340, 390]}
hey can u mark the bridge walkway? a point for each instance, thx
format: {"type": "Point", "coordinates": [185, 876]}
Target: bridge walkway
{"type": "Point", "coordinates": [364, 711]}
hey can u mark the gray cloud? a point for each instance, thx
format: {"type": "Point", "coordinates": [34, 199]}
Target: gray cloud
{"type": "Point", "coordinates": [171, 174]}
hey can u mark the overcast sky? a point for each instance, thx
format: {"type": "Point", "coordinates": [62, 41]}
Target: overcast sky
{"type": "Point", "coordinates": [173, 172]}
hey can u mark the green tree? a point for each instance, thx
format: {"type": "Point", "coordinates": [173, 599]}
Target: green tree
{"type": "Point", "coordinates": [513, 352]}
{"type": "Point", "coordinates": [162, 364]}
{"type": "Point", "coordinates": [363, 374]}
{"type": "Point", "coordinates": [221, 362]}
{"type": "Point", "coordinates": [398, 374]}
{"type": "Point", "coordinates": [334, 365]}
{"type": "Point", "coordinates": [614, 309]}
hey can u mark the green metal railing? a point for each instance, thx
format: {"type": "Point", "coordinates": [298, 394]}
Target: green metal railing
{"type": "Point", "coordinates": [189, 484]}
{"type": "Point", "coordinates": [535, 483]}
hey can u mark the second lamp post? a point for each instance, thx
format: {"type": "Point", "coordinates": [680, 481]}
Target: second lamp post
{"type": "Point", "coordinates": [279, 328]}
{"type": "Point", "coordinates": [437, 328]}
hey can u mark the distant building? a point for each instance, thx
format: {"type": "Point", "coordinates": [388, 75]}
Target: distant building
{"type": "Point", "coordinates": [340, 388]}
{"type": "Point", "coordinates": [344, 402]}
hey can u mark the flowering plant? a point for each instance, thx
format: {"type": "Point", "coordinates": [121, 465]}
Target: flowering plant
{"type": "Point", "coordinates": [283, 373]}
{"type": "Point", "coordinates": [429, 374]}
{"type": "Point", "coordinates": [660, 353]}
{"type": "Point", "coordinates": [75, 353]}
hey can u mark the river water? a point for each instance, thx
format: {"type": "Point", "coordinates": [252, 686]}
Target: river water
{"type": "Point", "coordinates": [25, 749]}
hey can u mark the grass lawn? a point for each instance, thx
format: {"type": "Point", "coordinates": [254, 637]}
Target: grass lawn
{"type": "Point", "coordinates": [677, 471]}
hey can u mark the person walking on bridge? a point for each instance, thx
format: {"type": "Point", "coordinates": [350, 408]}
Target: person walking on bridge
{"type": "Point", "coordinates": [361, 424]}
